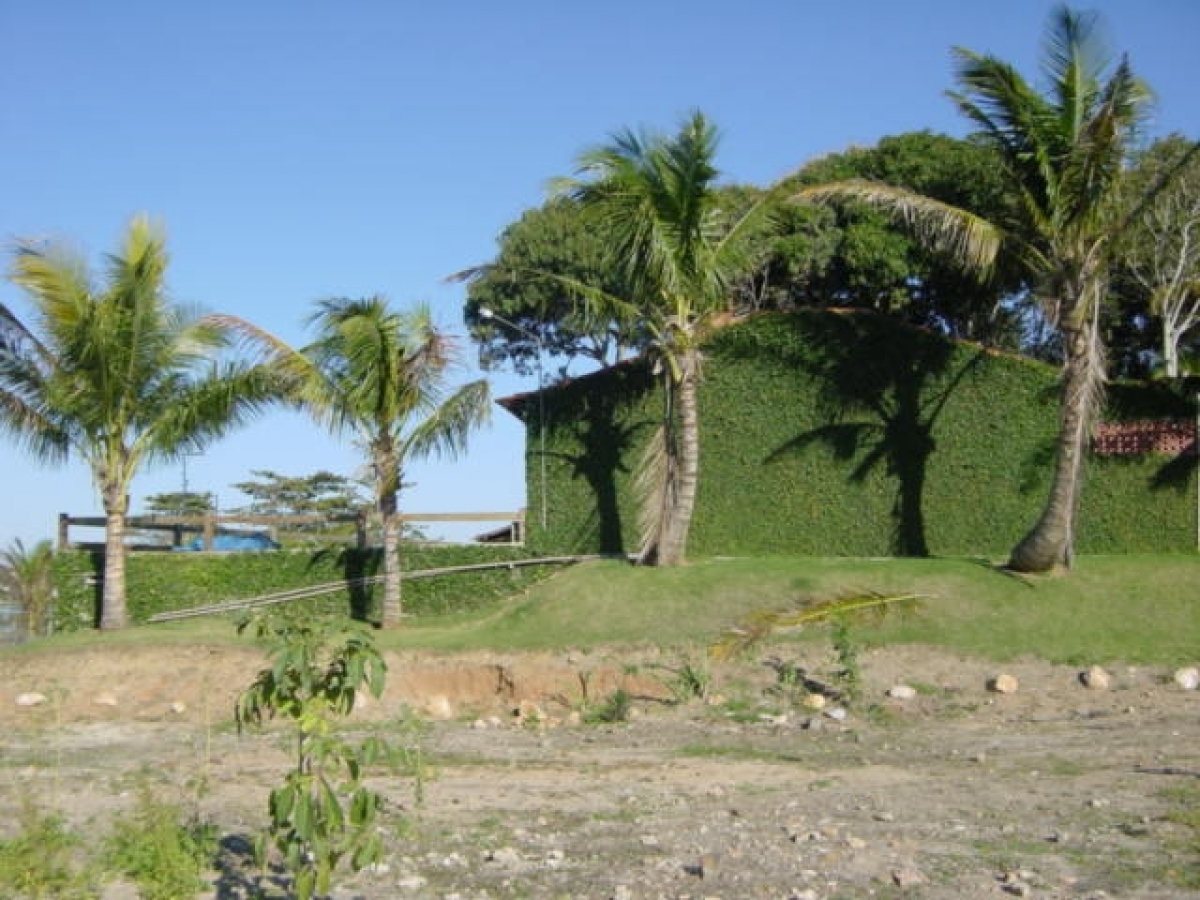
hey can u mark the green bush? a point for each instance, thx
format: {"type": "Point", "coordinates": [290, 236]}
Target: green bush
{"type": "Point", "coordinates": [162, 582]}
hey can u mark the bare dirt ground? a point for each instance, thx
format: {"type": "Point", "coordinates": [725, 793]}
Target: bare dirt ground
{"type": "Point", "coordinates": [1054, 791]}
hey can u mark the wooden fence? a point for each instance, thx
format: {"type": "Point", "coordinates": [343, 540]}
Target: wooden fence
{"type": "Point", "coordinates": [180, 530]}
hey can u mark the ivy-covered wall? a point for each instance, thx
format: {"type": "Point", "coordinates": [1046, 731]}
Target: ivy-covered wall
{"type": "Point", "coordinates": [830, 433]}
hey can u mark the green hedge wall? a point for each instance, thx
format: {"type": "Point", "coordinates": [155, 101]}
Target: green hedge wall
{"type": "Point", "coordinates": [836, 433]}
{"type": "Point", "coordinates": [160, 582]}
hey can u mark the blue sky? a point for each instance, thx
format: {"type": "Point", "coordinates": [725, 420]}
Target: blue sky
{"type": "Point", "coordinates": [302, 149]}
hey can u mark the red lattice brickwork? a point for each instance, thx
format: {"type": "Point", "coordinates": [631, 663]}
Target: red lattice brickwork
{"type": "Point", "coordinates": [1170, 438]}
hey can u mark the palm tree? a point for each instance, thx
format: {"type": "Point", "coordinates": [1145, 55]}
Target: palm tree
{"type": "Point", "coordinates": [1064, 154]}
{"type": "Point", "coordinates": [116, 375]}
{"type": "Point", "coordinates": [381, 375]}
{"type": "Point", "coordinates": [26, 575]}
{"type": "Point", "coordinates": [657, 201]}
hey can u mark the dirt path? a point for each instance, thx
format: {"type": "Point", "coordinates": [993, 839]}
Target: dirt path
{"type": "Point", "coordinates": [1053, 791]}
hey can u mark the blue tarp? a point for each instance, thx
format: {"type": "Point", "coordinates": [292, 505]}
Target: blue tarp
{"type": "Point", "coordinates": [256, 541]}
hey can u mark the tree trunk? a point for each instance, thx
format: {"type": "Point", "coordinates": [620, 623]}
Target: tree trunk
{"type": "Point", "coordinates": [113, 614]}
{"type": "Point", "coordinates": [1050, 543]}
{"type": "Point", "coordinates": [1170, 348]}
{"type": "Point", "coordinates": [392, 608]}
{"type": "Point", "coordinates": [685, 469]}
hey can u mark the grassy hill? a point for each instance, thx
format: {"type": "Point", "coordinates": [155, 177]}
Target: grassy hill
{"type": "Point", "coordinates": [1130, 608]}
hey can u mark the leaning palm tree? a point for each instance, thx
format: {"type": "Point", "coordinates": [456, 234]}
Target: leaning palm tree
{"type": "Point", "coordinates": [116, 375]}
{"type": "Point", "coordinates": [657, 201]}
{"type": "Point", "coordinates": [381, 375]}
{"type": "Point", "coordinates": [1064, 154]}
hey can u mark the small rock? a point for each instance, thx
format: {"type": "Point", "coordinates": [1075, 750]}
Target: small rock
{"type": "Point", "coordinates": [1188, 678]}
{"type": "Point", "coordinates": [105, 699]}
{"type": "Point", "coordinates": [1003, 684]}
{"type": "Point", "coordinates": [622, 892]}
{"type": "Point", "coordinates": [709, 865]}
{"type": "Point", "coordinates": [901, 692]}
{"type": "Point", "coordinates": [838, 713]}
{"type": "Point", "coordinates": [505, 856]}
{"type": "Point", "coordinates": [178, 707]}
{"type": "Point", "coordinates": [815, 701]}
{"type": "Point", "coordinates": [906, 878]}
{"type": "Point", "coordinates": [1095, 679]}
{"type": "Point", "coordinates": [439, 707]}
{"type": "Point", "coordinates": [806, 894]}
{"type": "Point", "coordinates": [31, 698]}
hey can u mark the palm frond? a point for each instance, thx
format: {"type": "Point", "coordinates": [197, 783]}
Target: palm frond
{"type": "Point", "coordinates": [652, 487]}
{"type": "Point", "coordinates": [968, 239]}
{"type": "Point", "coordinates": [1074, 57]}
{"type": "Point", "coordinates": [758, 626]}
{"type": "Point", "coordinates": [444, 433]}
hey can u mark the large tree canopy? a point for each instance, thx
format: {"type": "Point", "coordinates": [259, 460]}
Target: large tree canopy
{"type": "Point", "coordinates": [540, 256]}
{"type": "Point", "coordinates": [854, 255]}
{"type": "Point", "coordinates": [792, 255]}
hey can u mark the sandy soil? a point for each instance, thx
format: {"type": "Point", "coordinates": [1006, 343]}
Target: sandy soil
{"type": "Point", "coordinates": [1056, 790]}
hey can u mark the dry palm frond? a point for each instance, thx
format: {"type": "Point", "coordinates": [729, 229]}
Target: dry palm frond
{"type": "Point", "coordinates": [758, 626]}
{"type": "Point", "coordinates": [652, 489]}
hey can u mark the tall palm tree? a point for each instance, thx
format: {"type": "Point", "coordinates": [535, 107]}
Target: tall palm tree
{"type": "Point", "coordinates": [656, 199]}
{"type": "Point", "coordinates": [115, 374]}
{"type": "Point", "coordinates": [381, 375]}
{"type": "Point", "coordinates": [1064, 153]}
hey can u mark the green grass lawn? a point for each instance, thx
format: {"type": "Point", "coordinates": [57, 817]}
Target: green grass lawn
{"type": "Point", "coordinates": [1135, 609]}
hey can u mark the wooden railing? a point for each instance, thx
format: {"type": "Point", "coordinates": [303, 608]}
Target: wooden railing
{"type": "Point", "coordinates": [207, 527]}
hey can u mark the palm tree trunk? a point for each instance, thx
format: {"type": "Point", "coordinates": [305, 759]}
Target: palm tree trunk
{"type": "Point", "coordinates": [113, 614]}
{"type": "Point", "coordinates": [1051, 542]}
{"type": "Point", "coordinates": [392, 607]}
{"type": "Point", "coordinates": [686, 468]}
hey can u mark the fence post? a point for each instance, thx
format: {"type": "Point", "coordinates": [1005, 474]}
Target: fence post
{"type": "Point", "coordinates": [64, 527]}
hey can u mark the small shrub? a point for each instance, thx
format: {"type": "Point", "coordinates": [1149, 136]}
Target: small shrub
{"type": "Point", "coordinates": [40, 861]}
{"type": "Point", "coordinates": [615, 708]}
{"type": "Point", "coordinates": [323, 813]}
{"type": "Point", "coordinates": [162, 854]}
{"type": "Point", "coordinates": [848, 677]}
{"type": "Point", "coordinates": [693, 681]}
